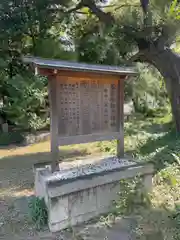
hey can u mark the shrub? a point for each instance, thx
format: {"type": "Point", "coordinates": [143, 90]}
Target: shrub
{"type": "Point", "coordinates": [38, 212]}
{"type": "Point", "coordinates": [26, 102]}
{"type": "Point", "coordinates": [132, 196]}
{"type": "Point", "coordinates": [11, 138]}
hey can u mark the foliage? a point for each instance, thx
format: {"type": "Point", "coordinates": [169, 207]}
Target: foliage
{"type": "Point", "coordinates": [25, 101]}
{"type": "Point", "coordinates": [174, 10]}
{"type": "Point", "coordinates": [95, 41]}
{"type": "Point", "coordinates": [177, 214]}
{"type": "Point", "coordinates": [131, 197]}
{"type": "Point", "coordinates": [78, 35]}
{"type": "Point", "coordinates": [151, 139]}
{"type": "Point", "coordinates": [148, 91]}
{"type": "Point", "coordinates": [126, 32]}
{"type": "Point", "coordinates": [11, 138]}
{"type": "Point", "coordinates": [94, 44]}
{"type": "Point", "coordinates": [27, 28]}
{"type": "Point", "coordinates": [38, 212]}
{"type": "Point", "coordinates": [98, 44]}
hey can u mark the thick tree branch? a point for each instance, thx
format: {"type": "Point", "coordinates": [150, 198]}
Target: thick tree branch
{"type": "Point", "coordinates": [125, 5]}
{"type": "Point", "coordinates": [138, 57]}
{"type": "Point", "coordinates": [104, 17]}
{"type": "Point", "coordinates": [114, 6]}
{"type": "Point", "coordinates": [78, 7]}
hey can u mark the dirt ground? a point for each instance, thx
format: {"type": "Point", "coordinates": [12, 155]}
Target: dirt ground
{"type": "Point", "coordinates": [16, 189]}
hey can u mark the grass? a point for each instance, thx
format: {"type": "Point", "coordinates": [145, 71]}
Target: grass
{"type": "Point", "coordinates": [38, 212]}
{"type": "Point", "coordinates": [146, 140]}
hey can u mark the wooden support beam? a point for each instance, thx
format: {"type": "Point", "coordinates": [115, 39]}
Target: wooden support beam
{"type": "Point", "coordinates": [120, 122]}
{"type": "Point", "coordinates": [54, 123]}
{"type": "Point", "coordinates": [107, 136]}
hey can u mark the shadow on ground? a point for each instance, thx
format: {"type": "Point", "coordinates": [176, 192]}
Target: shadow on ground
{"type": "Point", "coordinates": [156, 224]}
{"type": "Point", "coordinates": [16, 172]}
{"type": "Point", "coordinates": [16, 189]}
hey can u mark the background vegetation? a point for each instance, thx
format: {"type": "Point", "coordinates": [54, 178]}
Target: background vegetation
{"type": "Point", "coordinates": [33, 28]}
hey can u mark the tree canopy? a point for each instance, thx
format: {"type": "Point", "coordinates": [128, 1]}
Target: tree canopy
{"type": "Point", "coordinates": [147, 30]}
{"type": "Point", "coordinates": [99, 31]}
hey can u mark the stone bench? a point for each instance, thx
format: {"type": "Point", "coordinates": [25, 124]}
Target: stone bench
{"type": "Point", "coordinates": [78, 194]}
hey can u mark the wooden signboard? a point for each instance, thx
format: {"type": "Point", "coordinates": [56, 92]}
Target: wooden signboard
{"type": "Point", "coordinates": [86, 109]}
{"type": "Point", "coordinates": [86, 103]}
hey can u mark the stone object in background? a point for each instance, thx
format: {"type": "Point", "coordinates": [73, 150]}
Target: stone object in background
{"type": "Point", "coordinates": [5, 128]}
{"type": "Point", "coordinates": [128, 110]}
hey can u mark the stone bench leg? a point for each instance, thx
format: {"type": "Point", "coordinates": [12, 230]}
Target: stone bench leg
{"type": "Point", "coordinates": [39, 183]}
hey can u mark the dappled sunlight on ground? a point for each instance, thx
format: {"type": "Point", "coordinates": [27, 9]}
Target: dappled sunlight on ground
{"type": "Point", "coordinates": [23, 193]}
{"type": "Point", "coordinates": [18, 151]}
{"type": "Point", "coordinates": [16, 166]}
{"type": "Point", "coordinates": [45, 147]}
{"type": "Point", "coordinates": [13, 192]}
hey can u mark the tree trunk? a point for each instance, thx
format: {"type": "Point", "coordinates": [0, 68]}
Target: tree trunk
{"type": "Point", "coordinates": [168, 64]}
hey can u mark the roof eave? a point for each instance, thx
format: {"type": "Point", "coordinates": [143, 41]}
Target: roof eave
{"type": "Point", "coordinates": [38, 62]}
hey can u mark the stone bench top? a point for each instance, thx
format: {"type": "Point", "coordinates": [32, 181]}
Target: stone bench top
{"type": "Point", "coordinates": [101, 167]}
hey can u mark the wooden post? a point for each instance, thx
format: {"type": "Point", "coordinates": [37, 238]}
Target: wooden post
{"type": "Point", "coordinates": [54, 123]}
{"type": "Point", "coordinates": [120, 125]}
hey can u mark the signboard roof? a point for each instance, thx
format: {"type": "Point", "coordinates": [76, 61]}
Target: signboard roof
{"type": "Point", "coordinates": [80, 67]}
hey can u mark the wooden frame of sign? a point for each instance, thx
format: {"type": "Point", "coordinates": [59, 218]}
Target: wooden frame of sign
{"type": "Point", "coordinates": [86, 103]}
